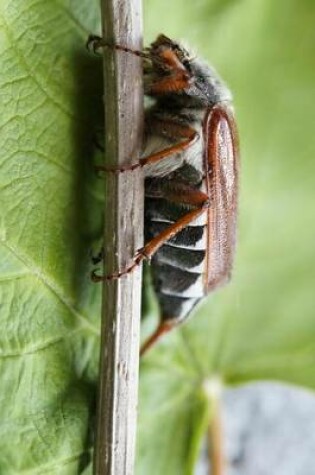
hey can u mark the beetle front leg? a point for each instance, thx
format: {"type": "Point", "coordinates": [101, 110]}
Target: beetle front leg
{"type": "Point", "coordinates": [95, 43]}
{"type": "Point", "coordinates": [176, 78]}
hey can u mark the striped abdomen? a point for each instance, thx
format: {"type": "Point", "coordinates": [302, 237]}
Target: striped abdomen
{"type": "Point", "coordinates": [179, 265]}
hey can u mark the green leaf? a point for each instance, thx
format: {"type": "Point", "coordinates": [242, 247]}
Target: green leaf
{"type": "Point", "coordinates": [49, 217]}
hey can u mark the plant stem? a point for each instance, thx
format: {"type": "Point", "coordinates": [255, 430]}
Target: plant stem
{"type": "Point", "coordinates": [215, 430]}
{"type": "Point", "coordinates": [119, 354]}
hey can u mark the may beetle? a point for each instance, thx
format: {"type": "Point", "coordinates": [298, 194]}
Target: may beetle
{"type": "Point", "coordinates": [191, 165]}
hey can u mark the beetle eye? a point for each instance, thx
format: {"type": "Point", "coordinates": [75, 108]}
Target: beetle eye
{"type": "Point", "coordinates": [186, 63]}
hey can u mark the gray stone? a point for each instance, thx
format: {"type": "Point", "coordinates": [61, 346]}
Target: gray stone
{"type": "Point", "coordinates": [269, 430]}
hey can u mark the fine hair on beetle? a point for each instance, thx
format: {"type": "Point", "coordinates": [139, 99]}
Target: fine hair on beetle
{"type": "Point", "coordinates": [191, 162]}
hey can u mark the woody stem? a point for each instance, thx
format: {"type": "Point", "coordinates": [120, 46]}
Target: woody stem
{"type": "Point", "coordinates": [120, 327]}
{"type": "Point", "coordinates": [215, 431]}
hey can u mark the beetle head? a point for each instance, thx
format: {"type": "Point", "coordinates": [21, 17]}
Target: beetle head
{"type": "Point", "coordinates": [202, 85]}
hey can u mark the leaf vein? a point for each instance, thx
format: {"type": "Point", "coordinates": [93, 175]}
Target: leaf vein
{"type": "Point", "coordinates": [35, 271]}
{"type": "Point", "coordinates": [24, 63]}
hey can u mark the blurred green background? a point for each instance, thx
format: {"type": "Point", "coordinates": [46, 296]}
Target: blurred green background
{"type": "Point", "coordinates": [262, 326]}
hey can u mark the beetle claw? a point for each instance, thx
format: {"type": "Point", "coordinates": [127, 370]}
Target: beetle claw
{"type": "Point", "coordinates": [96, 277]}
{"type": "Point", "coordinates": [94, 43]}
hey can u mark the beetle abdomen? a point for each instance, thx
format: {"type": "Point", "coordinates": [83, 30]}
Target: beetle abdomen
{"type": "Point", "coordinates": [178, 266]}
{"type": "Point", "coordinates": [178, 280]}
{"type": "Point", "coordinates": [184, 259]}
{"type": "Point", "coordinates": [175, 309]}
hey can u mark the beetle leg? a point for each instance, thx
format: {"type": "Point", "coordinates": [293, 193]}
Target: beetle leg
{"type": "Point", "coordinates": [164, 327]}
{"type": "Point", "coordinates": [189, 196]}
{"type": "Point", "coordinates": [154, 244]}
{"type": "Point", "coordinates": [178, 79]}
{"type": "Point", "coordinates": [169, 128]}
{"type": "Point", "coordinates": [95, 43]}
{"type": "Point", "coordinates": [96, 259]}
